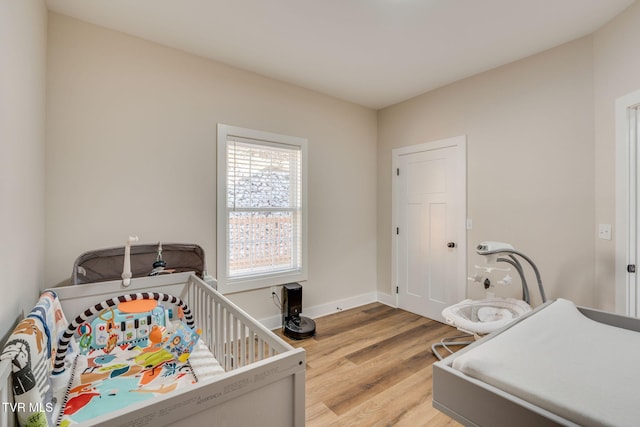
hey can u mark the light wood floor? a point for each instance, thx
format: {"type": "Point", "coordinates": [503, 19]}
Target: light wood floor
{"type": "Point", "coordinates": [371, 366]}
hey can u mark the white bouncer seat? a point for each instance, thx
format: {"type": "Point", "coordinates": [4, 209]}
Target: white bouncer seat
{"type": "Point", "coordinates": [480, 317]}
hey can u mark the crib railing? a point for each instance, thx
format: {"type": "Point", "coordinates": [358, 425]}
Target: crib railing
{"type": "Point", "coordinates": [234, 338]}
{"type": "Point", "coordinates": [7, 415]}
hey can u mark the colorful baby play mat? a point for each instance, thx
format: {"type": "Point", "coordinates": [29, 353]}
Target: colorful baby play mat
{"type": "Point", "coordinates": [106, 382]}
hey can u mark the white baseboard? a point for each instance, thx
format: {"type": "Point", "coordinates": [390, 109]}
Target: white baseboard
{"type": "Point", "coordinates": [387, 299]}
{"type": "Point", "coordinates": [314, 312]}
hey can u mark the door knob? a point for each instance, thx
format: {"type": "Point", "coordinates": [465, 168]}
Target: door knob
{"type": "Point", "coordinates": [451, 245]}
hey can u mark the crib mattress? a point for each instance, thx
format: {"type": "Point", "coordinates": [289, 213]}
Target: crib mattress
{"type": "Point", "coordinates": [557, 359]}
{"type": "Point", "coordinates": [102, 383]}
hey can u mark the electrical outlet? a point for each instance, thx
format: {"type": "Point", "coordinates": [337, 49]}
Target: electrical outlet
{"type": "Point", "coordinates": [274, 291]}
{"type": "Point", "coordinates": [604, 231]}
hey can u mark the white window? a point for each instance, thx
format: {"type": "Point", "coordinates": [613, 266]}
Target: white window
{"type": "Point", "coordinates": [261, 209]}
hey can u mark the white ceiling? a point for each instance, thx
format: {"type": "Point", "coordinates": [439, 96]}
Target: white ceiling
{"type": "Point", "coordinates": [371, 52]}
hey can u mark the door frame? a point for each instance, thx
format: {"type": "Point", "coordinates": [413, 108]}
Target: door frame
{"type": "Point", "coordinates": [461, 212]}
{"type": "Point", "coordinates": [626, 230]}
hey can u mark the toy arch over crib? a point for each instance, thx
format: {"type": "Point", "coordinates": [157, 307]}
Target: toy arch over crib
{"type": "Point", "coordinates": [67, 335]}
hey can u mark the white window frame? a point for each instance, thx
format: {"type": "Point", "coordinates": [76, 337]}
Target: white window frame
{"type": "Point", "coordinates": [228, 284]}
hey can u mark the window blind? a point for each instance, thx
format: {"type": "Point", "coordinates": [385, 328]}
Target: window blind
{"type": "Point", "coordinates": [264, 207]}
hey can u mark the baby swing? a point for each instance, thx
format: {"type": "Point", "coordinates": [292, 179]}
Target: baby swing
{"type": "Point", "coordinates": [481, 317]}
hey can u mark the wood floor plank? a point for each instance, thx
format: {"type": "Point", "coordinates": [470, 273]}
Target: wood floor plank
{"type": "Point", "coordinates": [375, 381]}
{"type": "Point", "coordinates": [318, 414]}
{"type": "Point", "coordinates": [388, 409]}
{"type": "Point", "coordinates": [392, 343]}
{"type": "Point", "coordinates": [372, 366]}
{"type": "Point", "coordinates": [359, 337]}
{"type": "Point", "coordinates": [354, 329]}
{"type": "Point", "coordinates": [344, 321]}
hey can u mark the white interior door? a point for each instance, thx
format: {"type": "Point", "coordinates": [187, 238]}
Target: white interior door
{"type": "Point", "coordinates": [430, 206]}
{"type": "Point", "coordinates": [627, 199]}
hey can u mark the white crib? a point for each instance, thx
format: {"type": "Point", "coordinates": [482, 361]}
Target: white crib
{"type": "Point", "coordinates": [264, 379]}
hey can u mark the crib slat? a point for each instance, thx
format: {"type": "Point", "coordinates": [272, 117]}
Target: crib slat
{"type": "Point", "coordinates": [210, 322]}
{"type": "Point", "coordinates": [229, 341]}
{"type": "Point", "coordinates": [242, 345]}
{"type": "Point", "coordinates": [234, 341]}
{"type": "Point", "coordinates": [252, 347]}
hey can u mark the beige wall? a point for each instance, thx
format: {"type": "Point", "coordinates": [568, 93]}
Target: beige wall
{"type": "Point", "coordinates": [131, 151]}
{"type": "Point", "coordinates": [23, 27]}
{"type": "Point", "coordinates": [131, 146]}
{"type": "Point", "coordinates": [616, 73]}
{"type": "Point", "coordinates": [530, 155]}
